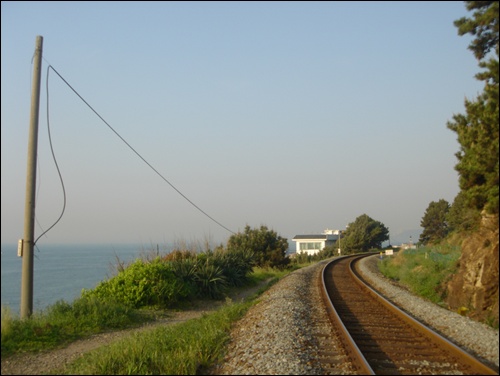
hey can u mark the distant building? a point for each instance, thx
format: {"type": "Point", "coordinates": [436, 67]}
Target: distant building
{"type": "Point", "coordinates": [312, 244]}
{"type": "Point", "coordinates": [408, 246]}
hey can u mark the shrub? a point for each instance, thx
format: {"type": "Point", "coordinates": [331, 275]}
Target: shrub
{"type": "Point", "coordinates": [268, 247]}
{"type": "Point", "coordinates": [236, 265]}
{"type": "Point", "coordinates": [142, 284]}
{"type": "Point", "coordinates": [176, 277]}
{"type": "Point", "coordinates": [210, 279]}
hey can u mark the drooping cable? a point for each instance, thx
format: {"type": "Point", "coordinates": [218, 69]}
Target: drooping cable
{"type": "Point", "coordinates": [55, 160]}
{"type": "Point", "coordinates": [131, 148]}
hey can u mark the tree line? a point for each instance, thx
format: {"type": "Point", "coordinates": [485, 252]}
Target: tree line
{"type": "Point", "coordinates": [478, 136]}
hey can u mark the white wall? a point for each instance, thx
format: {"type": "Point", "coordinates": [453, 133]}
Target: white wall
{"type": "Point", "coordinates": [309, 251]}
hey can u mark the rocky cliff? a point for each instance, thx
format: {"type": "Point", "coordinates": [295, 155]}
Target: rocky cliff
{"type": "Point", "coordinates": [474, 288]}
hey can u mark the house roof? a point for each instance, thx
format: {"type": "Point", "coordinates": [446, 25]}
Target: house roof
{"type": "Point", "coordinates": [310, 237]}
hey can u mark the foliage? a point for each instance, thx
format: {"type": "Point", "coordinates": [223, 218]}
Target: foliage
{"type": "Point", "coordinates": [185, 270]}
{"type": "Point", "coordinates": [461, 217]}
{"type": "Point", "coordinates": [176, 277]}
{"type": "Point", "coordinates": [210, 278]}
{"type": "Point", "coordinates": [268, 247]}
{"type": "Point", "coordinates": [330, 251]}
{"type": "Point", "coordinates": [142, 284]}
{"type": "Point", "coordinates": [424, 271]}
{"type": "Point", "coordinates": [236, 265]}
{"type": "Point", "coordinates": [484, 26]}
{"type": "Point", "coordinates": [303, 258]}
{"type": "Point", "coordinates": [434, 222]}
{"type": "Point", "coordinates": [478, 129]}
{"type": "Point", "coordinates": [364, 234]}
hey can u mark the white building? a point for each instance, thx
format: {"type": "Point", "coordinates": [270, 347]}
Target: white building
{"type": "Point", "coordinates": [312, 244]}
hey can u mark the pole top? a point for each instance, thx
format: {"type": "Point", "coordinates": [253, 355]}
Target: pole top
{"type": "Point", "coordinates": [38, 42]}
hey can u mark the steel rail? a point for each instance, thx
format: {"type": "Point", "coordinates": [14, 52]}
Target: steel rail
{"type": "Point", "coordinates": [359, 359]}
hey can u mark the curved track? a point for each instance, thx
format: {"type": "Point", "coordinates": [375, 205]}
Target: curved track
{"type": "Point", "coordinates": [380, 338]}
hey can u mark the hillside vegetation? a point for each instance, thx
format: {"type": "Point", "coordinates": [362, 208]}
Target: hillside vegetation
{"type": "Point", "coordinates": [471, 221]}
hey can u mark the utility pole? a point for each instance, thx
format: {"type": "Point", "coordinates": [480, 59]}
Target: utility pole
{"type": "Point", "coordinates": [27, 243]}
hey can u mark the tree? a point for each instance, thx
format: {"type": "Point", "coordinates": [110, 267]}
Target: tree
{"type": "Point", "coordinates": [478, 129]}
{"type": "Point", "coordinates": [484, 26]}
{"type": "Point", "coordinates": [462, 217]}
{"type": "Point", "coordinates": [268, 247]}
{"type": "Point", "coordinates": [363, 234]}
{"type": "Point", "coordinates": [434, 222]}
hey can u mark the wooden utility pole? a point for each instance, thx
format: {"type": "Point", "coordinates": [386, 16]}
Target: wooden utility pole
{"type": "Point", "coordinates": [27, 243]}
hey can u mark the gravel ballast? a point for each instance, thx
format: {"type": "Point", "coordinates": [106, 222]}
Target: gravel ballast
{"type": "Point", "coordinates": [278, 334]}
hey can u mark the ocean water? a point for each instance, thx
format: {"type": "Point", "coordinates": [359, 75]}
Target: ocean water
{"type": "Point", "coordinates": [62, 271]}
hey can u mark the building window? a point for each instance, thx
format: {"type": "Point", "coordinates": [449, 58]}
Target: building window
{"type": "Point", "coordinates": [310, 246]}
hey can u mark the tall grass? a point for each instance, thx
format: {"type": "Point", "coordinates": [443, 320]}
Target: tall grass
{"type": "Point", "coordinates": [63, 322]}
{"type": "Point", "coordinates": [181, 349]}
{"type": "Point", "coordinates": [423, 271]}
{"type": "Point", "coordinates": [260, 274]}
{"type": "Point", "coordinates": [7, 320]}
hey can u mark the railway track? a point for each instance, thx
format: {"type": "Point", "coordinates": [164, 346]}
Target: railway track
{"type": "Point", "coordinates": [381, 339]}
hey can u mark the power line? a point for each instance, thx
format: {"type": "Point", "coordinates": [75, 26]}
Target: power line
{"type": "Point", "coordinates": [54, 158]}
{"type": "Point", "coordinates": [131, 148]}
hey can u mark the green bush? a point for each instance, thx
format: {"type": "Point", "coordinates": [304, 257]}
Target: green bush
{"type": "Point", "coordinates": [303, 258]}
{"type": "Point", "coordinates": [143, 284]}
{"type": "Point", "coordinates": [268, 247]}
{"type": "Point", "coordinates": [176, 277]}
{"type": "Point", "coordinates": [184, 270]}
{"type": "Point", "coordinates": [236, 265]}
{"type": "Point", "coordinates": [210, 279]}
{"type": "Point", "coordinates": [215, 271]}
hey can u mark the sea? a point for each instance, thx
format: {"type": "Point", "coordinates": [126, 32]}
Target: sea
{"type": "Point", "coordinates": [61, 271]}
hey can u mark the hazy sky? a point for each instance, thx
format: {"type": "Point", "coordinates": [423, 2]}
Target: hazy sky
{"type": "Point", "coordinates": [300, 116]}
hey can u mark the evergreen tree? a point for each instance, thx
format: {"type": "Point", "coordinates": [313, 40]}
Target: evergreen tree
{"type": "Point", "coordinates": [434, 222]}
{"type": "Point", "coordinates": [478, 129]}
{"type": "Point", "coordinates": [462, 217]}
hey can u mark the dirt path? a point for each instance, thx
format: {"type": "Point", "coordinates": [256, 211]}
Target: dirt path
{"type": "Point", "coordinates": [47, 361]}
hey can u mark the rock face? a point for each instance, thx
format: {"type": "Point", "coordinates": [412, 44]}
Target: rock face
{"type": "Point", "coordinates": [475, 285]}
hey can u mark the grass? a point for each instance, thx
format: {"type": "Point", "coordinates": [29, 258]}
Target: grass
{"type": "Point", "coordinates": [63, 322]}
{"type": "Point", "coordinates": [262, 274]}
{"type": "Point", "coordinates": [423, 271]}
{"type": "Point", "coordinates": [182, 349]}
